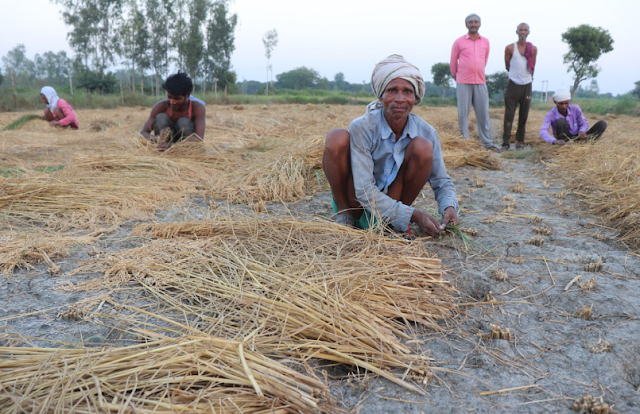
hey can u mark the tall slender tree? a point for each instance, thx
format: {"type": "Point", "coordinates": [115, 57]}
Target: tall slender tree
{"type": "Point", "coordinates": [270, 41]}
{"type": "Point", "coordinates": [160, 21]}
{"type": "Point", "coordinates": [220, 42]}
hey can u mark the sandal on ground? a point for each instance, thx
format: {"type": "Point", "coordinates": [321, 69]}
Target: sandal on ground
{"type": "Point", "coordinates": [519, 145]}
{"type": "Point", "coordinates": [345, 219]}
{"type": "Point", "coordinates": [506, 147]}
{"type": "Point", "coordinates": [494, 149]}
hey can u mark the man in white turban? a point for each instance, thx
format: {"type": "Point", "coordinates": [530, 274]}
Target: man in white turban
{"type": "Point", "coordinates": [378, 167]}
{"type": "Point", "coordinates": [567, 122]}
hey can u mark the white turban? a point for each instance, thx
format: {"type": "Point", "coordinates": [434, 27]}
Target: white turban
{"type": "Point", "coordinates": [51, 95]}
{"type": "Point", "coordinates": [562, 95]}
{"type": "Point", "coordinates": [393, 67]}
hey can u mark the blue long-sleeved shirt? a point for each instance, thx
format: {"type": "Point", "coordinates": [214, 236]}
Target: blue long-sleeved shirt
{"type": "Point", "coordinates": [376, 157]}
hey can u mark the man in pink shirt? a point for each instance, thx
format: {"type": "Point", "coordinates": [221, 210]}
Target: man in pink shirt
{"type": "Point", "coordinates": [58, 112]}
{"type": "Point", "coordinates": [469, 56]}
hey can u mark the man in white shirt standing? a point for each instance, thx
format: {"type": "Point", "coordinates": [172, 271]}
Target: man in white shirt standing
{"type": "Point", "coordinates": [520, 61]}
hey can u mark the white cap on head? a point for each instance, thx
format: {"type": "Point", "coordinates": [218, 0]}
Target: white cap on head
{"type": "Point", "coordinates": [562, 95]}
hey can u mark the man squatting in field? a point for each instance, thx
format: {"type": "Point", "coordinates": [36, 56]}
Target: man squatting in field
{"type": "Point", "coordinates": [469, 56]}
{"type": "Point", "coordinates": [567, 122]}
{"type": "Point", "coordinates": [520, 61]}
{"type": "Point", "coordinates": [178, 117]}
{"type": "Point", "coordinates": [379, 166]}
{"type": "Point", "coordinates": [58, 111]}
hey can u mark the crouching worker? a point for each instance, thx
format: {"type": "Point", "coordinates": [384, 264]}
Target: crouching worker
{"type": "Point", "coordinates": [568, 123]}
{"type": "Point", "coordinates": [379, 166]}
{"type": "Point", "coordinates": [177, 118]}
{"type": "Point", "coordinates": [58, 111]}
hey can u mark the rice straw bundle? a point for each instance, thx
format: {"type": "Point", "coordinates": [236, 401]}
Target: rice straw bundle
{"type": "Point", "coordinates": [312, 287]}
{"type": "Point", "coordinates": [604, 174]}
{"type": "Point", "coordinates": [194, 374]}
{"type": "Point", "coordinates": [458, 152]}
{"type": "Point", "coordinates": [23, 250]}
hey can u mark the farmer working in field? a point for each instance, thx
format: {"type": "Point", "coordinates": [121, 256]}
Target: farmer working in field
{"type": "Point", "coordinates": [520, 61]}
{"type": "Point", "coordinates": [177, 118]}
{"type": "Point", "coordinates": [567, 122]}
{"type": "Point", "coordinates": [469, 56]}
{"type": "Point", "coordinates": [379, 166]}
{"type": "Point", "coordinates": [58, 111]}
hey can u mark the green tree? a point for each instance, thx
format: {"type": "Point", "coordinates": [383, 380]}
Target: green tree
{"type": "Point", "coordinates": [95, 24]}
{"type": "Point", "coordinates": [497, 83]}
{"type": "Point", "coordinates": [193, 48]}
{"type": "Point", "coordinates": [270, 41]}
{"type": "Point", "coordinates": [1, 78]}
{"type": "Point", "coordinates": [586, 45]}
{"type": "Point", "coordinates": [298, 78]}
{"type": "Point", "coordinates": [18, 66]}
{"type": "Point", "coordinates": [159, 19]}
{"type": "Point", "coordinates": [54, 68]}
{"type": "Point", "coordinates": [339, 81]}
{"type": "Point", "coordinates": [134, 43]}
{"type": "Point", "coordinates": [220, 44]}
{"type": "Point", "coordinates": [636, 90]}
{"type": "Point", "coordinates": [441, 75]}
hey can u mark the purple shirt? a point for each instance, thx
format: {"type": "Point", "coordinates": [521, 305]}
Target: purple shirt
{"type": "Point", "coordinates": [575, 119]}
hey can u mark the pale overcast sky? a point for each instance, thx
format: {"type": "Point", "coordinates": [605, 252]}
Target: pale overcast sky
{"type": "Point", "coordinates": [350, 36]}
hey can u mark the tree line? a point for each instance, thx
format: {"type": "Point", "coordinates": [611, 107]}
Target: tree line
{"type": "Point", "coordinates": [146, 37]}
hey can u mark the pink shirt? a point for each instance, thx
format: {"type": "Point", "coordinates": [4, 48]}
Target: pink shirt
{"type": "Point", "coordinates": [468, 59]}
{"type": "Point", "coordinates": [69, 116]}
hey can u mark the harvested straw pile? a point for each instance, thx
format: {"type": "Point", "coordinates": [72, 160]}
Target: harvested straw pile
{"type": "Point", "coordinates": [21, 250]}
{"type": "Point", "coordinates": [605, 175]}
{"type": "Point", "coordinates": [196, 374]}
{"type": "Point", "coordinates": [459, 151]}
{"type": "Point", "coordinates": [310, 289]}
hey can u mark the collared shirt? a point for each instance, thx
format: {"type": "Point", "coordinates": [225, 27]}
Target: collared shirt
{"type": "Point", "coordinates": [468, 59]}
{"type": "Point", "coordinates": [376, 157]}
{"type": "Point", "coordinates": [69, 116]}
{"type": "Point", "coordinates": [575, 119]}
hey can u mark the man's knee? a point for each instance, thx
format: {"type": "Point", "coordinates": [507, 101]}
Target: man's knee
{"type": "Point", "coordinates": [160, 122]}
{"type": "Point", "coordinates": [420, 150]}
{"type": "Point", "coordinates": [337, 141]}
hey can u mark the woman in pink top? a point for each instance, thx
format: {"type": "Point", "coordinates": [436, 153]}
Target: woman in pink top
{"type": "Point", "coordinates": [58, 112]}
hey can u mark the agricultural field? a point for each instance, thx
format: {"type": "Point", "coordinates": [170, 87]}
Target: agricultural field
{"type": "Point", "coordinates": [211, 278]}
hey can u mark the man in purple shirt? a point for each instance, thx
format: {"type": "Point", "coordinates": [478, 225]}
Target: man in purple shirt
{"type": "Point", "coordinates": [567, 122]}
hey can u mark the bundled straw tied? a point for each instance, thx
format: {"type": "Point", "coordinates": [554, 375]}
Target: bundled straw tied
{"type": "Point", "coordinates": [604, 174]}
{"type": "Point", "coordinates": [192, 374]}
{"type": "Point", "coordinates": [293, 288]}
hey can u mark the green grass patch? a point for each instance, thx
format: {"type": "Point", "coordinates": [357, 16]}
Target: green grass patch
{"type": "Point", "coordinates": [18, 123]}
{"type": "Point", "coordinates": [521, 153]}
{"type": "Point", "coordinates": [9, 172]}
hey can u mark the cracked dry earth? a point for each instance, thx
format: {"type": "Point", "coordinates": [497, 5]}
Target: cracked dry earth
{"type": "Point", "coordinates": [550, 303]}
{"type": "Point", "coordinates": [552, 309]}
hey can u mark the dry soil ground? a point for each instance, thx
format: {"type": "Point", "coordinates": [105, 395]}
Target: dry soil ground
{"type": "Point", "coordinates": [541, 273]}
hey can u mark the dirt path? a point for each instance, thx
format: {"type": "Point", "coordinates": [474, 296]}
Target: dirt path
{"type": "Point", "coordinates": [536, 292]}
